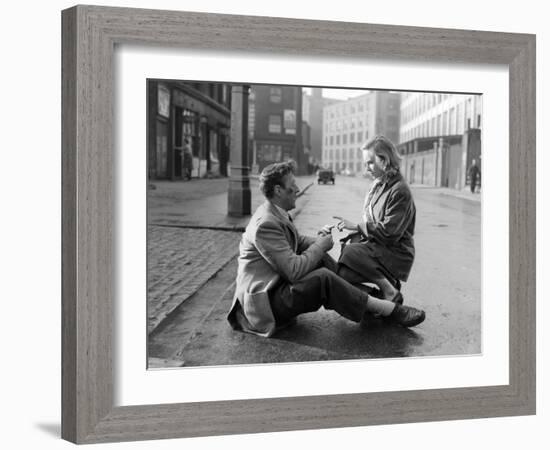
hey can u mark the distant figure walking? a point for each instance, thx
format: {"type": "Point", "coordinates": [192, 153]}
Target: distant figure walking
{"type": "Point", "coordinates": [474, 173]}
{"type": "Point", "coordinates": [187, 160]}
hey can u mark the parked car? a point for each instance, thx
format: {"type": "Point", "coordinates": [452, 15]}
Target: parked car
{"type": "Point", "coordinates": [324, 176]}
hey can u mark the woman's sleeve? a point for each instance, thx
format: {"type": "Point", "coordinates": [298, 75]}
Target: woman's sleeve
{"type": "Point", "coordinates": [397, 217]}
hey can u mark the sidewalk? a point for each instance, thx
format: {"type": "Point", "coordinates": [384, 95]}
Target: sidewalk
{"type": "Point", "coordinates": [463, 194]}
{"type": "Point", "coordinates": [202, 203]}
{"type": "Point", "coordinates": [190, 239]}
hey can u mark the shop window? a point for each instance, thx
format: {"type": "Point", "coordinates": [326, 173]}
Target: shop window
{"type": "Point", "coordinates": [270, 153]}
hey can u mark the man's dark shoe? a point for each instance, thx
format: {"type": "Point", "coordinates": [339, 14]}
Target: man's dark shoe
{"type": "Point", "coordinates": [407, 316]}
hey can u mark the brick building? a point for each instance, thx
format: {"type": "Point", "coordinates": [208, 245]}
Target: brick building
{"type": "Point", "coordinates": [275, 122]}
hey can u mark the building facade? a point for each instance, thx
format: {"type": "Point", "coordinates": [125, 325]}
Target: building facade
{"type": "Point", "coordinates": [347, 125]}
{"type": "Point", "coordinates": [199, 113]}
{"type": "Point", "coordinates": [439, 137]}
{"type": "Point", "coordinates": [275, 126]}
{"type": "Point", "coordinates": [312, 112]}
{"type": "Point", "coordinates": [441, 161]}
{"type": "Point", "coordinates": [425, 114]}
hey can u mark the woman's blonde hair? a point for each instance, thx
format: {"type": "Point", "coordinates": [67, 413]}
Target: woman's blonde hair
{"type": "Point", "coordinates": [384, 149]}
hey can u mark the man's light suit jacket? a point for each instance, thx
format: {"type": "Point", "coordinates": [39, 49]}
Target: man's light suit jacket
{"type": "Point", "coordinates": [271, 251]}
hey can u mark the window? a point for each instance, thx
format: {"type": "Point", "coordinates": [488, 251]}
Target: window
{"type": "Point", "coordinates": [225, 94]}
{"type": "Point", "coordinates": [352, 138]}
{"type": "Point", "coordinates": [359, 136]}
{"type": "Point", "coordinates": [338, 139]}
{"type": "Point", "coordinates": [269, 153]}
{"type": "Point", "coordinates": [344, 139]}
{"type": "Point", "coordinates": [332, 140]}
{"type": "Point", "coordinates": [452, 122]}
{"type": "Point", "coordinates": [275, 95]}
{"type": "Point", "coordinates": [275, 124]}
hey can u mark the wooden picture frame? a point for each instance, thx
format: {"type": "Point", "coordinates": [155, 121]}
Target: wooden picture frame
{"type": "Point", "coordinates": [89, 37]}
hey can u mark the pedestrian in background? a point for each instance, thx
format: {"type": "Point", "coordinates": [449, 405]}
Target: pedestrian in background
{"type": "Point", "coordinates": [187, 159]}
{"type": "Point", "coordinates": [473, 173]}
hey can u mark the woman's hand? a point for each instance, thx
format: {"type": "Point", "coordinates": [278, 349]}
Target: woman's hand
{"type": "Point", "coordinates": [345, 224]}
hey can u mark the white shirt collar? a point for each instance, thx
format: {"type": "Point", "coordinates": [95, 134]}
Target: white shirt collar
{"type": "Point", "coordinates": [282, 211]}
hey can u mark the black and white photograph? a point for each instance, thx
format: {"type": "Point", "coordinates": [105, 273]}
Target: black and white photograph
{"type": "Point", "coordinates": [187, 184]}
{"type": "Point", "coordinates": [290, 224]}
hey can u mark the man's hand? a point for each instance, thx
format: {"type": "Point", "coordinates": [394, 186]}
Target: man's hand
{"type": "Point", "coordinates": [325, 241]}
{"type": "Point", "coordinates": [327, 229]}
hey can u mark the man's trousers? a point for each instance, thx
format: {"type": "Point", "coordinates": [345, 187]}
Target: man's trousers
{"type": "Point", "coordinates": [321, 287]}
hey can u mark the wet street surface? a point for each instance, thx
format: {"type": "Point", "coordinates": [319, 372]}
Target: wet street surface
{"type": "Point", "coordinates": [445, 282]}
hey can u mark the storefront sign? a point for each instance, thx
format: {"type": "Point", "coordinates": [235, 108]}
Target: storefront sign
{"type": "Point", "coordinates": [163, 101]}
{"type": "Point", "coordinates": [290, 121]}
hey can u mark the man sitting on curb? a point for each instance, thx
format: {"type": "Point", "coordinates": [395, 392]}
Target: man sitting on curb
{"type": "Point", "coordinates": [282, 274]}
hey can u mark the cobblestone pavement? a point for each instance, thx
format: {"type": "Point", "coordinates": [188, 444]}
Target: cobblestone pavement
{"type": "Point", "coordinates": [179, 262]}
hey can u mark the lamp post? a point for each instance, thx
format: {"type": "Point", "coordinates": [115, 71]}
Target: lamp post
{"type": "Point", "coordinates": [239, 196]}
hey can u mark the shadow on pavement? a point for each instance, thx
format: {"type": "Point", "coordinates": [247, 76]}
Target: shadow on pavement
{"type": "Point", "coordinates": [327, 330]}
{"type": "Point", "coordinates": [319, 336]}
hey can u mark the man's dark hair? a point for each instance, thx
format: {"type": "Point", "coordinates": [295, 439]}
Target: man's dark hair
{"type": "Point", "coordinates": [273, 175]}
